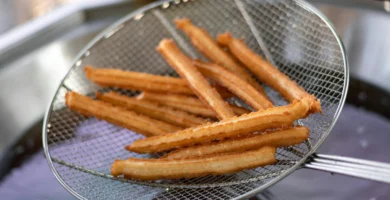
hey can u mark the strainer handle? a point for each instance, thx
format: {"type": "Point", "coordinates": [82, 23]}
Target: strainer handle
{"type": "Point", "coordinates": [377, 171]}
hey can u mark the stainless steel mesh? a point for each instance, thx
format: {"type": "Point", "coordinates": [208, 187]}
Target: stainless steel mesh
{"type": "Point", "coordinates": [292, 35]}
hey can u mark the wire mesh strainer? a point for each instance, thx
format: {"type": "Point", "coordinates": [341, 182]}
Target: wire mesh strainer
{"type": "Point", "coordinates": [291, 34]}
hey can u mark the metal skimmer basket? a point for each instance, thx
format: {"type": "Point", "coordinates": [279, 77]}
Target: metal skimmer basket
{"type": "Point", "coordinates": [291, 34]}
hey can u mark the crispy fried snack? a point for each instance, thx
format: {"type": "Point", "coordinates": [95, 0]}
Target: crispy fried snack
{"type": "Point", "coordinates": [266, 72]}
{"type": "Point", "coordinates": [155, 169]}
{"type": "Point", "coordinates": [277, 138]}
{"type": "Point", "coordinates": [151, 109]}
{"type": "Point", "coordinates": [186, 103]}
{"type": "Point", "coordinates": [236, 85]}
{"type": "Point", "coordinates": [207, 45]}
{"type": "Point", "coordinates": [275, 117]}
{"type": "Point", "coordinates": [183, 66]}
{"type": "Point", "coordinates": [116, 115]}
{"type": "Point", "coordinates": [142, 81]}
{"type": "Point", "coordinates": [136, 80]}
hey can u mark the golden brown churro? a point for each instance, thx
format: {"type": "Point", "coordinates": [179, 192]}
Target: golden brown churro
{"type": "Point", "coordinates": [137, 80]}
{"type": "Point", "coordinates": [142, 81]}
{"type": "Point", "coordinates": [155, 169]}
{"type": "Point", "coordinates": [151, 109]}
{"type": "Point", "coordinates": [266, 72]}
{"type": "Point", "coordinates": [116, 115]}
{"type": "Point", "coordinates": [186, 103]}
{"type": "Point", "coordinates": [183, 66]}
{"type": "Point", "coordinates": [236, 85]}
{"type": "Point", "coordinates": [207, 45]}
{"type": "Point", "coordinates": [275, 117]}
{"type": "Point", "coordinates": [277, 138]}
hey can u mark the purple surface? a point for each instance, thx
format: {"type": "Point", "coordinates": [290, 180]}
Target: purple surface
{"type": "Point", "coordinates": [34, 180]}
{"type": "Point", "coordinates": [358, 133]}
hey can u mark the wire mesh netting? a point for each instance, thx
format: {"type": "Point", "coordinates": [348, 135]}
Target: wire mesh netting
{"type": "Point", "coordinates": [299, 42]}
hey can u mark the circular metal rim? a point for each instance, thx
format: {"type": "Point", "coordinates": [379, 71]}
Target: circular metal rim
{"type": "Point", "coordinates": [253, 192]}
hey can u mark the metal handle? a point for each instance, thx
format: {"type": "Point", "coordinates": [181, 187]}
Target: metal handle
{"type": "Point", "coordinates": [371, 170]}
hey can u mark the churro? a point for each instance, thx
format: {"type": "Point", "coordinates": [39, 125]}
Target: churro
{"type": "Point", "coordinates": [276, 117]}
{"type": "Point", "coordinates": [136, 80]}
{"type": "Point", "coordinates": [266, 72]}
{"type": "Point", "coordinates": [156, 169]}
{"type": "Point", "coordinates": [208, 46]}
{"type": "Point", "coordinates": [183, 66]}
{"type": "Point", "coordinates": [186, 103]}
{"type": "Point", "coordinates": [277, 138]}
{"type": "Point", "coordinates": [116, 115]}
{"type": "Point", "coordinates": [151, 109]}
{"type": "Point", "coordinates": [142, 81]}
{"type": "Point", "coordinates": [236, 85]}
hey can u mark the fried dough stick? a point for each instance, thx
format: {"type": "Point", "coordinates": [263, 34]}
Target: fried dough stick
{"type": "Point", "coordinates": [137, 80]}
{"type": "Point", "coordinates": [276, 117]}
{"type": "Point", "coordinates": [116, 115]}
{"type": "Point", "coordinates": [183, 66]}
{"type": "Point", "coordinates": [266, 72]}
{"type": "Point", "coordinates": [208, 46]}
{"type": "Point", "coordinates": [155, 169]}
{"type": "Point", "coordinates": [119, 73]}
{"type": "Point", "coordinates": [153, 110]}
{"type": "Point", "coordinates": [186, 103]}
{"type": "Point", "coordinates": [278, 138]}
{"type": "Point", "coordinates": [142, 81]}
{"type": "Point", "coordinates": [236, 85]}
